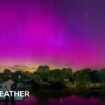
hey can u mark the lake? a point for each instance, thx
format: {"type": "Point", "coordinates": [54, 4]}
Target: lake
{"type": "Point", "coordinates": [44, 97]}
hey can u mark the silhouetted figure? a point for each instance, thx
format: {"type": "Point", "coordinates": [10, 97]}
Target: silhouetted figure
{"type": "Point", "coordinates": [9, 85]}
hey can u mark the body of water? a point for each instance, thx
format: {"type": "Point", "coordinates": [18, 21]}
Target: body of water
{"type": "Point", "coordinates": [71, 100]}
{"type": "Point", "coordinates": [58, 98]}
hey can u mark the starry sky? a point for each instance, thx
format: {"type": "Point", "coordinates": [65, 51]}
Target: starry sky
{"type": "Point", "coordinates": [60, 33]}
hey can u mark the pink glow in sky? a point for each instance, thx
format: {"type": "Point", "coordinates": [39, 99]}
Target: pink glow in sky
{"type": "Point", "coordinates": [33, 33]}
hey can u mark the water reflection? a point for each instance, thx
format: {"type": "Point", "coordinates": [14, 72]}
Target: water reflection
{"type": "Point", "coordinates": [71, 100]}
{"type": "Point", "coordinates": [75, 100]}
{"type": "Point", "coordinates": [43, 99]}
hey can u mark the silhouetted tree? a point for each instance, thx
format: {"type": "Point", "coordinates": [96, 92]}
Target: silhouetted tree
{"type": "Point", "coordinates": [7, 73]}
{"type": "Point", "coordinates": [67, 73]}
{"type": "Point", "coordinates": [102, 75]}
{"type": "Point", "coordinates": [83, 77]}
{"type": "Point", "coordinates": [44, 68]}
{"type": "Point", "coordinates": [95, 77]}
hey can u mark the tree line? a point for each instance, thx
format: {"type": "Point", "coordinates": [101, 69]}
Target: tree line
{"type": "Point", "coordinates": [45, 77]}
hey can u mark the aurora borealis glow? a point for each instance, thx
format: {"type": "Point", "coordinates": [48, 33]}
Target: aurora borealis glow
{"type": "Point", "coordinates": [53, 32]}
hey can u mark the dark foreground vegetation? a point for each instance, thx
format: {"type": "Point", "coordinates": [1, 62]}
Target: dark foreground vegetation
{"type": "Point", "coordinates": [58, 78]}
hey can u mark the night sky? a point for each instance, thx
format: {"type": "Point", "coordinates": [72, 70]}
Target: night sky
{"type": "Point", "coordinates": [60, 33]}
